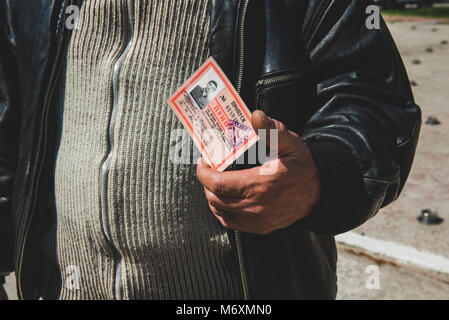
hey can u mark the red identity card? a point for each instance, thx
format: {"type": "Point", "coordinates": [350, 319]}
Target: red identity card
{"type": "Point", "coordinates": [214, 115]}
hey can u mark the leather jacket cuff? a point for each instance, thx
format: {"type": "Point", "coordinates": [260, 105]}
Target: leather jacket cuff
{"type": "Point", "coordinates": [342, 194]}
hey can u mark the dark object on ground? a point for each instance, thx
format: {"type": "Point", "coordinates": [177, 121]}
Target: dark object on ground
{"type": "Point", "coordinates": [444, 42]}
{"type": "Point", "coordinates": [434, 29]}
{"type": "Point", "coordinates": [429, 49]}
{"type": "Point", "coordinates": [413, 83]}
{"type": "Point", "coordinates": [413, 27]}
{"type": "Point", "coordinates": [416, 61]}
{"type": "Point", "coordinates": [429, 217]}
{"type": "Point", "coordinates": [433, 121]}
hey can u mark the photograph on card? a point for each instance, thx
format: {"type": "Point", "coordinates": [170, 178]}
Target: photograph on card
{"type": "Point", "coordinates": [206, 89]}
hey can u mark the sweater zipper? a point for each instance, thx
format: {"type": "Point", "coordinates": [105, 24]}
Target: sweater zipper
{"type": "Point", "coordinates": [241, 60]}
{"type": "Point", "coordinates": [54, 75]}
{"type": "Point", "coordinates": [118, 295]}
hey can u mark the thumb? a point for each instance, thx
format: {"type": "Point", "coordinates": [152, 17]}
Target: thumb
{"type": "Point", "coordinates": [287, 140]}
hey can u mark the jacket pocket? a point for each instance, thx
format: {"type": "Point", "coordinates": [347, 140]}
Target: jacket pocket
{"type": "Point", "coordinates": [287, 96]}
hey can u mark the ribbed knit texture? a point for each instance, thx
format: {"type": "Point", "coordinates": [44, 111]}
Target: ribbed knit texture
{"type": "Point", "coordinates": [170, 244]}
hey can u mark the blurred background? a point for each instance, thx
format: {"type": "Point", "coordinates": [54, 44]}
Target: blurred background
{"type": "Point", "coordinates": [396, 255]}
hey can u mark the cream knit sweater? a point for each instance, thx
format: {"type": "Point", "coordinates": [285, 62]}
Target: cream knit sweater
{"type": "Point", "coordinates": [144, 230]}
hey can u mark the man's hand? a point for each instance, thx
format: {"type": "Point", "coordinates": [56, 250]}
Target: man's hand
{"type": "Point", "coordinates": [3, 295]}
{"type": "Point", "coordinates": [247, 201]}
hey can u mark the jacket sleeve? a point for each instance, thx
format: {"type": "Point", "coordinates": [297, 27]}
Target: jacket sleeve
{"type": "Point", "coordinates": [9, 132]}
{"type": "Point", "coordinates": [365, 131]}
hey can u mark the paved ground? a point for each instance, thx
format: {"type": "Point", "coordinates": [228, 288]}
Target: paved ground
{"type": "Point", "coordinates": [427, 187]}
{"type": "Point", "coordinates": [11, 287]}
{"type": "Point", "coordinates": [394, 283]}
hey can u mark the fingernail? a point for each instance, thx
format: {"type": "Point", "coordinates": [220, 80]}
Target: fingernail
{"type": "Point", "coordinates": [266, 120]}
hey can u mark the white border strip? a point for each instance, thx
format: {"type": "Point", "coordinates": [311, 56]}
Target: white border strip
{"type": "Point", "coordinates": [401, 253]}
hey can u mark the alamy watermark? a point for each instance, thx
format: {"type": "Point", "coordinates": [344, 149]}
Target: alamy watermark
{"type": "Point", "coordinates": [373, 280]}
{"type": "Point", "coordinates": [72, 281]}
{"type": "Point", "coordinates": [183, 151]}
{"type": "Point", "coordinates": [73, 17]}
{"type": "Point", "coordinates": [372, 21]}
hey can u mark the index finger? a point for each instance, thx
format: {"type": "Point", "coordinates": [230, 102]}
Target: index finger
{"type": "Point", "coordinates": [228, 183]}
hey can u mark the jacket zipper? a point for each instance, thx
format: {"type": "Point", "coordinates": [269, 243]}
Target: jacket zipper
{"type": "Point", "coordinates": [241, 58]}
{"type": "Point", "coordinates": [55, 73]}
{"type": "Point", "coordinates": [321, 10]}
{"type": "Point", "coordinates": [274, 80]}
{"type": "Point", "coordinates": [107, 163]}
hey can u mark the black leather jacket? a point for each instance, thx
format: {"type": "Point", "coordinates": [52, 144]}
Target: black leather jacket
{"type": "Point", "coordinates": [312, 64]}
